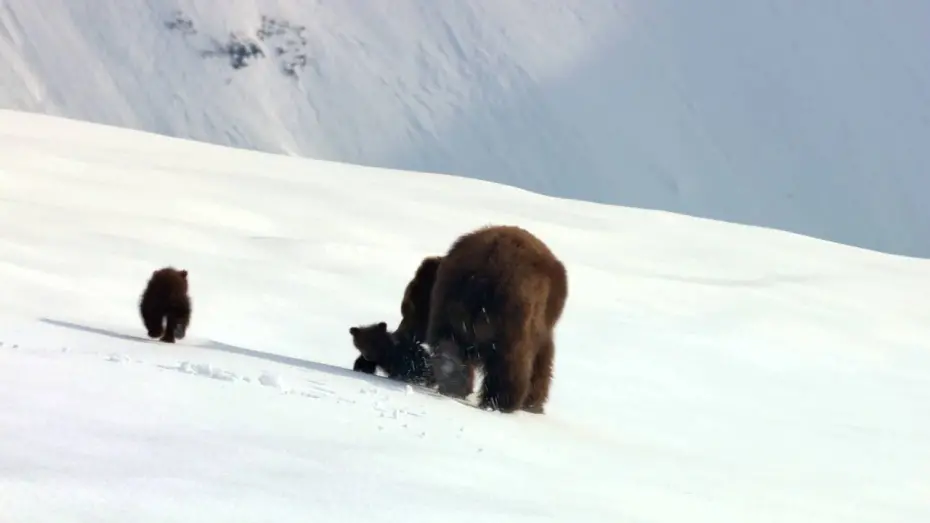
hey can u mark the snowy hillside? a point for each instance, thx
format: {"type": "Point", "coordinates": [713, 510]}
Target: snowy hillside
{"type": "Point", "coordinates": [811, 117]}
{"type": "Point", "coordinates": [706, 372]}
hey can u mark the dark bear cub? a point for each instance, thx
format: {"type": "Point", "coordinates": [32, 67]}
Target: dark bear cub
{"type": "Point", "coordinates": [400, 361]}
{"type": "Point", "coordinates": [165, 305]}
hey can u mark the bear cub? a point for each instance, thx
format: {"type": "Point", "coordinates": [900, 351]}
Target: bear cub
{"type": "Point", "coordinates": [400, 361]}
{"type": "Point", "coordinates": [165, 306]}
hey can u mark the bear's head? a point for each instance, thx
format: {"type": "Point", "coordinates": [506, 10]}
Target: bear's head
{"type": "Point", "coordinates": [372, 341]}
{"type": "Point", "coordinates": [414, 308]}
{"type": "Point", "coordinates": [171, 278]}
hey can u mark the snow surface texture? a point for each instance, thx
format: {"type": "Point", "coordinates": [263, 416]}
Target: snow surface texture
{"type": "Point", "coordinates": [706, 372]}
{"type": "Point", "coordinates": [812, 117]}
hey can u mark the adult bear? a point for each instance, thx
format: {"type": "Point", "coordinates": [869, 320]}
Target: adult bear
{"type": "Point", "coordinates": [494, 300]}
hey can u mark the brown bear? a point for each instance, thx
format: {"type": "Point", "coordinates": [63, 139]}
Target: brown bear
{"type": "Point", "coordinates": [495, 299]}
{"type": "Point", "coordinates": [165, 305]}
{"type": "Point", "coordinates": [400, 360]}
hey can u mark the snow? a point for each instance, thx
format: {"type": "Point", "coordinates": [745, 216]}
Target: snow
{"type": "Point", "coordinates": [810, 117]}
{"type": "Point", "coordinates": [705, 371]}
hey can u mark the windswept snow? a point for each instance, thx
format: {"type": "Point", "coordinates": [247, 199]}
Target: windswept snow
{"type": "Point", "coordinates": [811, 117]}
{"type": "Point", "coordinates": [706, 372]}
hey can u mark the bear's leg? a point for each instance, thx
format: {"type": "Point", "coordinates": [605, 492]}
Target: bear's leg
{"type": "Point", "coordinates": [469, 378]}
{"type": "Point", "coordinates": [542, 377]}
{"type": "Point", "coordinates": [174, 321]}
{"type": "Point", "coordinates": [363, 365]}
{"type": "Point", "coordinates": [153, 323]}
{"type": "Point", "coordinates": [449, 371]}
{"type": "Point", "coordinates": [180, 329]}
{"type": "Point", "coordinates": [447, 362]}
{"type": "Point", "coordinates": [508, 370]}
{"type": "Point", "coordinates": [421, 373]}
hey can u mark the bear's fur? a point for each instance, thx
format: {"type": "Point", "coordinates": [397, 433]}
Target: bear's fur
{"type": "Point", "coordinates": [165, 306]}
{"type": "Point", "coordinates": [414, 308]}
{"type": "Point", "coordinates": [399, 360]}
{"type": "Point", "coordinates": [496, 297]}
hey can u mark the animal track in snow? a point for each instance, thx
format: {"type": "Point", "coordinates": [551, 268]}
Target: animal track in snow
{"type": "Point", "coordinates": [118, 358]}
{"type": "Point", "coordinates": [319, 388]}
{"type": "Point", "coordinates": [382, 397]}
{"type": "Point", "coordinates": [206, 370]}
{"type": "Point", "coordinates": [271, 380]}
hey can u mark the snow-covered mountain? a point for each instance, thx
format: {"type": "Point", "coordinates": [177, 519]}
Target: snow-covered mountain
{"type": "Point", "coordinates": [811, 117]}
{"type": "Point", "coordinates": [705, 371]}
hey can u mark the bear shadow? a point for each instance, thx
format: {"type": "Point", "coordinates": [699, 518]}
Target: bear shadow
{"type": "Point", "coordinates": [278, 358]}
{"type": "Point", "coordinates": [94, 330]}
{"type": "Point", "coordinates": [224, 347]}
{"type": "Point", "coordinates": [374, 379]}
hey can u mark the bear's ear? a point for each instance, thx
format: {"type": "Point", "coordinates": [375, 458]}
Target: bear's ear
{"type": "Point", "coordinates": [183, 273]}
{"type": "Point", "coordinates": [382, 326]}
{"type": "Point", "coordinates": [353, 330]}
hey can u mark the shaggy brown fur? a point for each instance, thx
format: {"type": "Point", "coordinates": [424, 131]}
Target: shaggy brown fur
{"type": "Point", "coordinates": [399, 360]}
{"type": "Point", "coordinates": [496, 297]}
{"type": "Point", "coordinates": [414, 308]}
{"type": "Point", "coordinates": [165, 306]}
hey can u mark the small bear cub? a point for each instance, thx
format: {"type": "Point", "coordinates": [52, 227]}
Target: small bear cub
{"type": "Point", "coordinates": [165, 306]}
{"type": "Point", "coordinates": [379, 348]}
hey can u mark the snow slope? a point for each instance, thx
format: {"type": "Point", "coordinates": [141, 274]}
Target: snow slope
{"type": "Point", "coordinates": [706, 372]}
{"type": "Point", "coordinates": [811, 117]}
